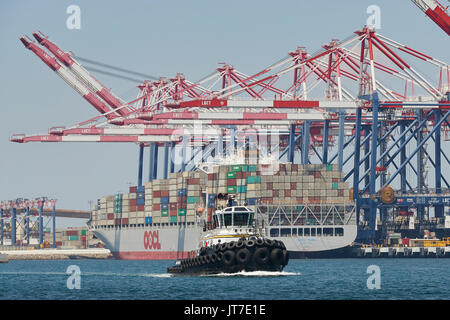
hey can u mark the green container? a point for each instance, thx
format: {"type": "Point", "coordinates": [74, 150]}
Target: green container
{"type": "Point", "coordinates": [299, 208]}
{"type": "Point", "coordinates": [329, 167]}
{"type": "Point", "coordinates": [252, 168]}
{"type": "Point", "coordinates": [242, 189]}
{"type": "Point", "coordinates": [254, 179]}
{"type": "Point", "coordinates": [73, 238]}
{"type": "Point", "coordinates": [231, 175]}
{"type": "Point", "coordinates": [231, 189]}
{"type": "Point", "coordinates": [119, 196]}
{"type": "Point", "coordinates": [164, 213]}
{"type": "Point", "coordinates": [193, 199]}
{"type": "Point", "coordinates": [181, 212]}
{"type": "Point", "coordinates": [334, 185]}
{"type": "Point", "coordinates": [83, 232]}
{"type": "Point", "coordinates": [236, 168]}
{"type": "Point", "coordinates": [173, 218]}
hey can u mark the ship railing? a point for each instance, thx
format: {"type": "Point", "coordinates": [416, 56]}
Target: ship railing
{"type": "Point", "coordinates": [307, 214]}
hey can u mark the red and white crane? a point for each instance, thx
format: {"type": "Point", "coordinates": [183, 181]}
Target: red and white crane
{"type": "Point", "coordinates": [436, 11]}
{"type": "Point", "coordinates": [81, 73]}
{"type": "Point", "coordinates": [345, 69]}
{"type": "Point", "coordinates": [68, 77]}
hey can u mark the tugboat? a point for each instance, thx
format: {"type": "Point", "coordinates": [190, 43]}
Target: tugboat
{"type": "Point", "coordinates": [233, 245]}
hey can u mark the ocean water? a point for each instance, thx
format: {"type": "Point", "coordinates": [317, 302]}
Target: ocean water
{"type": "Point", "coordinates": [321, 279]}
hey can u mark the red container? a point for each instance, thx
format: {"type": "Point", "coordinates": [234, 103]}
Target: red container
{"type": "Point", "coordinates": [193, 181]}
{"type": "Point", "coordinates": [275, 193]}
{"type": "Point", "coordinates": [212, 176]}
{"type": "Point", "coordinates": [133, 189]}
{"type": "Point", "coordinates": [156, 194]}
{"type": "Point", "coordinates": [173, 213]}
{"type": "Point", "coordinates": [117, 221]}
{"type": "Point", "coordinates": [84, 237]}
{"type": "Point", "coordinates": [133, 202]}
{"type": "Point", "coordinates": [110, 217]}
{"type": "Point", "coordinates": [231, 182]}
{"type": "Point", "coordinates": [182, 199]}
{"type": "Point", "coordinates": [405, 241]}
{"type": "Point", "coordinates": [157, 207]}
{"type": "Point", "coordinates": [165, 193]}
{"type": "Point", "coordinates": [287, 193]}
{"type": "Point", "coordinates": [334, 179]}
{"type": "Point", "coordinates": [340, 193]}
{"type": "Point", "coordinates": [172, 206]}
{"type": "Point", "coordinates": [293, 185]}
{"type": "Point", "coordinates": [299, 199]}
{"type": "Point", "coordinates": [269, 185]}
{"type": "Point", "coordinates": [140, 208]}
{"type": "Point", "coordinates": [58, 243]}
{"type": "Point", "coordinates": [133, 208]}
{"type": "Point", "coordinates": [239, 175]}
{"type": "Point", "coordinates": [124, 220]}
{"type": "Point", "coordinates": [182, 205]}
{"type": "Point", "coordinates": [294, 167]}
{"type": "Point", "coordinates": [317, 174]}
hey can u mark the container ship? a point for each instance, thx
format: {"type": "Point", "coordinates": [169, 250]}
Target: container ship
{"type": "Point", "coordinates": [308, 207]}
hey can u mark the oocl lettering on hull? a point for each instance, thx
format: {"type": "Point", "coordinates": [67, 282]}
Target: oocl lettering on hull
{"type": "Point", "coordinates": [151, 240]}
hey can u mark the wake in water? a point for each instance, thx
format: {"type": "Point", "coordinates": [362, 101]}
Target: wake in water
{"type": "Point", "coordinates": [255, 274]}
{"type": "Point", "coordinates": [165, 275]}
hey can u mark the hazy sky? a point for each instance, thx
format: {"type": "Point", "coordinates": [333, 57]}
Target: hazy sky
{"type": "Point", "coordinates": [159, 38]}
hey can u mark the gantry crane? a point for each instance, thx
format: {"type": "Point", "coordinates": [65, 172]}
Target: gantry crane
{"type": "Point", "coordinates": [359, 78]}
{"type": "Point", "coordinates": [436, 12]}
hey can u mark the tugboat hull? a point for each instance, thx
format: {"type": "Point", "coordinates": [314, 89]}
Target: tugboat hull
{"type": "Point", "coordinates": [235, 256]}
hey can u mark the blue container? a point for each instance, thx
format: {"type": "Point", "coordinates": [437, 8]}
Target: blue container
{"type": "Point", "coordinates": [165, 206]}
{"type": "Point", "coordinates": [148, 220]}
{"type": "Point", "coordinates": [182, 193]}
{"type": "Point", "coordinates": [251, 201]}
{"type": "Point", "coordinates": [211, 197]}
{"type": "Point", "coordinates": [165, 200]}
{"type": "Point", "coordinates": [140, 201]}
{"type": "Point", "coordinates": [140, 195]}
{"type": "Point", "coordinates": [140, 189]}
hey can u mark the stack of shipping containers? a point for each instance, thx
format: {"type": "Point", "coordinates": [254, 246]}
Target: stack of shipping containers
{"type": "Point", "coordinates": [70, 238]}
{"type": "Point", "coordinates": [184, 195]}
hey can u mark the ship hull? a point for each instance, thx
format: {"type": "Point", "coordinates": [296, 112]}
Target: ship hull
{"type": "Point", "coordinates": [171, 243]}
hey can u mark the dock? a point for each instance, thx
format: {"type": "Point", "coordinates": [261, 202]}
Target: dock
{"type": "Point", "coordinates": [402, 252]}
{"type": "Point", "coordinates": [56, 254]}
{"type": "Point", "coordinates": [3, 258]}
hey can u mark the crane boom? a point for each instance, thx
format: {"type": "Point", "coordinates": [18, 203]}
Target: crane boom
{"type": "Point", "coordinates": [80, 72]}
{"type": "Point", "coordinates": [436, 11]}
{"type": "Point", "coordinates": [67, 76]}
